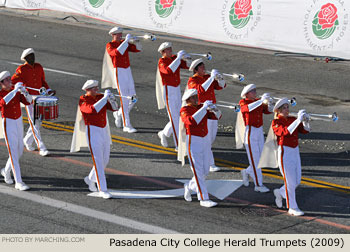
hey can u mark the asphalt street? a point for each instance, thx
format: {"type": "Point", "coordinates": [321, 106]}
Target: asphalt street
{"type": "Point", "coordinates": [71, 52]}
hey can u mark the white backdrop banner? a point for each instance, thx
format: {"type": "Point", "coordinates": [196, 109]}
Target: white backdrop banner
{"type": "Point", "coordinates": [316, 27]}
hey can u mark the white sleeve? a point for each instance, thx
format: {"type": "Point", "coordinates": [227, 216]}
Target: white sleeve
{"type": "Point", "coordinates": [294, 125]}
{"type": "Point", "coordinates": [198, 116]}
{"type": "Point", "coordinates": [28, 97]}
{"type": "Point", "coordinates": [123, 46]}
{"type": "Point", "coordinates": [254, 105]}
{"type": "Point", "coordinates": [207, 83]}
{"type": "Point", "coordinates": [217, 114]}
{"type": "Point", "coordinates": [175, 64]}
{"type": "Point", "coordinates": [10, 96]}
{"type": "Point", "coordinates": [100, 104]}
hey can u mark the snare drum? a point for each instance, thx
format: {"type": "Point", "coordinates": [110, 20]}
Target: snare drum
{"type": "Point", "coordinates": [46, 108]}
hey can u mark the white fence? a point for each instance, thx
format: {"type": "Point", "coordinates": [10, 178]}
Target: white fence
{"type": "Point", "coordinates": [317, 27]}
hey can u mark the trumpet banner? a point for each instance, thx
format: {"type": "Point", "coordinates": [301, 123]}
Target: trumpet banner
{"type": "Point", "coordinates": [316, 27]}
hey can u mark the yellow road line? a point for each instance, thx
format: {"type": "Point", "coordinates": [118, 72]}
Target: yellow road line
{"type": "Point", "coordinates": [225, 163]}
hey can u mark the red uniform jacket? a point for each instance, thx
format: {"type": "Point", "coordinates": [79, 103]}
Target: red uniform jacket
{"type": "Point", "coordinates": [13, 109]}
{"type": "Point", "coordinates": [168, 77]}
{"type": "Point", "coordinates": [192, 128]}
{"type": "Point", "coordinates": [196, 82]}
{"type": "Point", "coordinates": [91, 117]}
{"type": "Point", "coordinates": [253, 118]}
{"type": "Point", "coordinates": [280, 126]}
{"type": "Point", "coordinates": [31, 76]}
{"type": "Point", "coordinates": [119, 60]}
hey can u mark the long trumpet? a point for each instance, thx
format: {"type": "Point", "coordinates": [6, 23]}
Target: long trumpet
{"type": "Point", "coordinates": [207, 55]}
{"type": "Point", "coordinates": [147, 36]}
{"type": "Point", "coordinates": [229, 105]}
{"type": "Point", "coordinates": [272, 101]}
{"type": "Point", "coordinates": [320, 117]}
{"type": "Point", "coordinates": [133, 98]}
{"type": "Point", "coordinates": [42, 90]}
{"type": "Point", "coordinates": [235, 76]}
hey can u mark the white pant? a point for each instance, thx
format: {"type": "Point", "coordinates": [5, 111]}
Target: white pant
{"type": "Point", "coordinates": [254, 143]}
{"type": "Point", "coordinates": [172, 98]}
{"type": "Point", "coordinates": [126, 87]}
{"type": "Point", "coordinates": [33, 133]}
{"type": "Point", "coordinates": [13, 132]}
{"type": "Point", "coordinates": [290, 168]}
{"type": "Point", "coordinates": [212, 131]}
{"type": "Point", "coordinates": [198, 149]}
{"type": "Point", "coordinates": [99, 145]}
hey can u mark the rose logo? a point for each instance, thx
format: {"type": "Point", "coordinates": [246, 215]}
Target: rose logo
{"type": "Point", "coordinates": [240, 13]}
{"type": "Point", "coordinates": [325, 21]}
{"type": "Point", "coordinates": [165, 7]}
{"type": "Point", "coordinates": [96, 3]}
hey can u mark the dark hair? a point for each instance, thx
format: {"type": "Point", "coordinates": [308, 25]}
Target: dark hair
{"type": "Point", "coordinates": [196, 68]}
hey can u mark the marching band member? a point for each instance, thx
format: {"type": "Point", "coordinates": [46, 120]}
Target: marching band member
{"type": "Point", "coordinates": [12, 125]}
{"type": "Point", "coordinates": [33, 76]}
{"type": "Point", "coordinates": [92, 120]}
{"type": "Point", "coordinates": [286, 129]}
{"type": "Point", "coordinates": [249, 130]}
{"type": "Point", "coordinates": [194, 124]}
{"type": "Point", "coordinates": [168, 90]}
{"type": "Point", "coordinates": [206, 85]}
{"type": "Point", "coordinates": [116, 73]}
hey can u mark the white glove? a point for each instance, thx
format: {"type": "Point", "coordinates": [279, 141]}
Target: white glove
{"type": "Point", "coordinates": [128, 37]}
{"type": "Point", "coordinates": [180, 54]}
{"type": "Point", "coordinates": [301, 114]}
{"type": "Point", "coordinates": [213, 73]}
{"type": "Point", "coordinates": [207, 103]}
{"type": "Point", "coordinates": [18, 86]}
{"type": "Point", "coordinates": [106, 94]}
{"type": "Point", "coordinates": [265, 96]}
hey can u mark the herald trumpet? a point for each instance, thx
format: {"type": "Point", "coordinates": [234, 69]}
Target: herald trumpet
{"type": "Point", "coordinates": [235, 76]}
{"type": "Point", "coordinates": [42, 90]}
{"type": "Point", "coordinates": [319, 117]}
{"type": "Point", "coordinates": [147, 36]}
{"type": "Point", "coordinates": [272, 101]}
{"type": "Point", "coordinates": [228, 105]}
{"type": "Point", "coordinates": [207, 55]}
{"type": "Point", "coordinates": [132, 98]}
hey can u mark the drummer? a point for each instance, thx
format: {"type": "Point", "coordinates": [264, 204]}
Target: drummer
{"type": "Point", "coordinates": [33, 76]}
{"type": "Point", "coordinates": [12, 125]}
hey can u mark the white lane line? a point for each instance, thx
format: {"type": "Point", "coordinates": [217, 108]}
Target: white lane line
{"type": "Point", "coordinates": [51, 70]}
{"type": "Point", "coordinates": [111, 218]}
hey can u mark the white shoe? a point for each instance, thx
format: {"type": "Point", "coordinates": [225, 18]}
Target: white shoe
{"type": "Point", "coordinates": [163, 140]}
{"type": "Point", "coordinates": [44, 152]}
{"type": "Point", "coordinates": [278, 198]}
{"type": "Point", "coordinates": [214, 168]}
{"type": "Point", "coordinates": [118, 119]}
{"type": "Point", "coordinates": [207, 203]}
{"type": "Point", "coordinates": [262, 189]}
{"type": "Point", "coordinates": [245, 178]}
{"type": "Point", "coordinates": [91, 184]}
{"type": "Point", "coordinates": [28, 147]}
{"type": "Point", "coordinates": [176, 149]}
{"type": "Point", "coordinates": [7, 177]}
{"type": "Point", "coordinates": [187, 193]}
{"type": "Point", "coordinates": [21, 186]}
{"type": "Point", "coordinates": [105, 195]}
{"type": "Point", "coordinates": [295, 212]}
{"type": "Point", "coordinates": [129, 129]}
